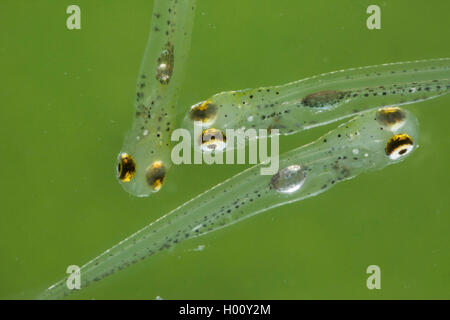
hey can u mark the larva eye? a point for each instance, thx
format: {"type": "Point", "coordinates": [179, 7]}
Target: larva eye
{"type": "Point", "coordinates": [126, 167]}
{"type": "Point", "coordinates": [213, 140]}
{"type": "Point", "coordinates": [399, 146]}
{"type": "Point", "coordinates": [155, 175]}
{"type": "Point", "coordinates": [205, 112]}
{"type": "Point", "coordinates": [391, 117]}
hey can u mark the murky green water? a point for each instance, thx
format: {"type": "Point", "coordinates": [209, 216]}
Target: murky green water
{"type": "Point", "coordinates": [66, 102]}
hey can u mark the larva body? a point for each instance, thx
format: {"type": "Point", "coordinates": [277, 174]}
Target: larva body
{"type": "Point", "coordinates": [324, 98]}
{"type": "Point", "coordinates": [145, 156]}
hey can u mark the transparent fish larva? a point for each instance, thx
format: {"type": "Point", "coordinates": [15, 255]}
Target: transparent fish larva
{"type": "Point", "coordinates": [145, 156]}
{"type": "Point", "coordinates": [322, 99]}
{"type": "Point", "coordinates": [370, 141]}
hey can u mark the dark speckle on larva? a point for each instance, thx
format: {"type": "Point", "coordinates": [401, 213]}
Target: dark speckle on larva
{"type": "Point", "coordinates": [165, 64]}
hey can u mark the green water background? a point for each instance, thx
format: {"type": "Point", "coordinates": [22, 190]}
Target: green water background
{"type": "Point", "coordinates": [67, 100]}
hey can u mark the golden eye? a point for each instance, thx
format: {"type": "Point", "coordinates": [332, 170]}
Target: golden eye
{"type": "Point", "coordinates": [212, 140]}
{"type": "Point", "coordinates": [391, 117]}
{"type": "Point", "coordinates": [155, 175]}
{"type": "Point", "coordinates": [126, 167]}
{"type": "Point", "coordinates": [399, 146]}
{"type": "Point", "coordinates": [204, 111]}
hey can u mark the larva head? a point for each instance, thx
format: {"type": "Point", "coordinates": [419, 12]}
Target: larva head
{"type": "Point", "coordinates": [399, 131]}
{"type": "Point", "coordinates": [140, 178]}
{"type": "Point", "coordinates": [402, 129]}
{"type": "Point", "coordinates": [143, 163]}
{"type": "Point", "coordinates": [395, 133]}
